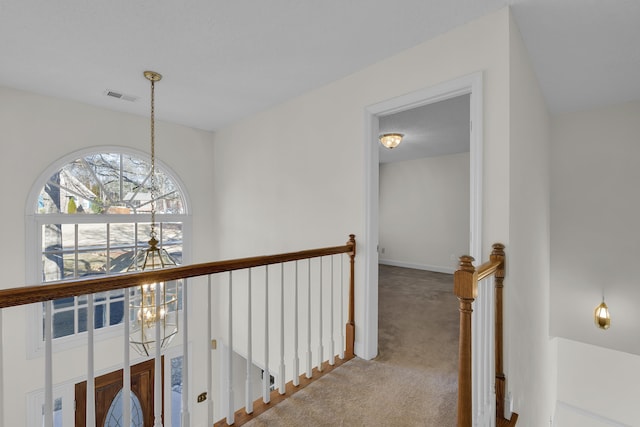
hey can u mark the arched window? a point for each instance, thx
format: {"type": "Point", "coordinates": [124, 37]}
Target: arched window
{"type": "Point", "coordinates": [91, 213]}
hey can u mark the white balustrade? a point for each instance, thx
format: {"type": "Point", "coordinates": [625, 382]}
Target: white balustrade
{"type": "Point", "coordinates": [281, 370]}
{"type": "Point", "coordinates": [90, 418]}
{"type": "Point", "coordinates": [309, 355]}
{"type": "Point", "coordinates": [126, 365]}
{"type": "Point", "coordinates": [288, 324]}
{"type": "Point", "coordinates": [249, 382]}
{"type": "Point", "coordinates": [266, 375]}
{"type": "Point", "coordinates": [48, 364]}
{"type": "Point", "coordinates": [157, 374]}
{"type": "Point", "coordinates": [184, 405]}
{"type": "Point", "coordinates": [332, 353]}
{"type": "Point", "coordinates": [209, 355]}
{"type": "Point", "coordinates": [320, 334]}
{"type": "Point", "coordinates": [296, 361]}
{"type": "Point", "coordinates": [230, 408]}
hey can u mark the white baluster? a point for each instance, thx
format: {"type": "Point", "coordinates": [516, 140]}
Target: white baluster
{"type": "Point", "coordinates": [281, 373]}
{"type": "Point", "coordinates": [332, 352]}
{"type": "Point", "coordinates": [1, 374]}
{"type": "Point", "coordinates": [48, 365]}
{"type": "Point", "coordinates": [475, 351]}
{"type": "Point", "coordinates": [230, 408]}
{"type": "Point", "coordinates": [320, 347]}
{"type": "Point", "coordinates": [184, 407]}
{"type": "Point", "coordinates": [266, 375]}
{"type": "Point", "coordinates": [90, 419]}
{"type": "Point", "coordinates": [248, 404]}
{"type": "Point", "coordinates": [209, 356]}
{"type": "Point", "coordinates": [126, 368]}
{"type": "Point", "coordinates": [309, 355]}
{"type": "Point", "coordinates": [296, 361]}
{"type": "Point", "coordinates": [342, 341]}
{"type": "Point", "coordinates": [157, 375]}
{"type": "Point", "coordinates": [488, 347]}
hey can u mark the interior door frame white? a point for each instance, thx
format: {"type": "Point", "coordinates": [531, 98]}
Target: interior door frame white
{"type": "Point", "coordinates": [367, 346]}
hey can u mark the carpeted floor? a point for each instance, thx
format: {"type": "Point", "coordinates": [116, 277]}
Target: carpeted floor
{"type": "Point", "coordinates": [412, 382]}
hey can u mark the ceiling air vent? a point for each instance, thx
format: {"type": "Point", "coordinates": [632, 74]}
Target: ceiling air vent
{"type": "Point", "coordinates": [121, 96]}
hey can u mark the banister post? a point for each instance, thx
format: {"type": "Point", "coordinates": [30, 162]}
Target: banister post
{"type": "Point", "coordinates": [465, 287]}
{"type": "Point", "coordinates": [351, 327]}
{"type": "Point", "coordinates": [498, 255]}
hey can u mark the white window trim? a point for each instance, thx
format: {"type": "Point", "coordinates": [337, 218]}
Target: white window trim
{"type": "Point", "coordinates": [33, 244]}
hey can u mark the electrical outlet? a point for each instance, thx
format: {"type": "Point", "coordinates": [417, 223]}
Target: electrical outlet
{"type": "Point", "coordinates": [202, 397]}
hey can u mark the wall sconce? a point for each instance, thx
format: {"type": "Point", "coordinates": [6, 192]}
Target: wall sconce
{"type": "Point", "coordinates": [601, 316]}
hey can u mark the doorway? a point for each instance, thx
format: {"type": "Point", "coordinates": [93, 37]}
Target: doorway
{"type": "Point", "coordinates": [471, 85]}
{"type": "Point", "coordinates": [108, 397]}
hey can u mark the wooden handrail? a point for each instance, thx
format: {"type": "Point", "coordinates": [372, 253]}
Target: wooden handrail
{"type": "Point", "coordinates": [12, 297]}
{"type": "Point", "coordinates": [465, 285]}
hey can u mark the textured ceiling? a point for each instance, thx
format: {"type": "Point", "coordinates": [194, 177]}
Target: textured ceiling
{"type": "Point", "coordinates": [224, 60]}
{"type": "Point", "coordinates": [431, 130]}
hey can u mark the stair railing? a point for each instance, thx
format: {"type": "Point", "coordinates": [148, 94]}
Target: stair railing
{"type": "Point", "coordinates": [466, 280]}
{"type": "Point", "coordinates": [20, 296]}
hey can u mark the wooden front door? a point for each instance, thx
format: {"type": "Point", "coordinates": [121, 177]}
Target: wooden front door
{"type": "Point", "coordinates": [108, 388]}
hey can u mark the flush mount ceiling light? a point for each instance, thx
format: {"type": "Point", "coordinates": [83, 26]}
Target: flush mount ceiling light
{"type": "Point", "coordinates": [391, 140]}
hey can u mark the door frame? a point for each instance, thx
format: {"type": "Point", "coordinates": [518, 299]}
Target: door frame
{"type": "Point", "coordinates": [470, 84]}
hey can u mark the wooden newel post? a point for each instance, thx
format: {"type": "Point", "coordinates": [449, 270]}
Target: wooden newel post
{"type": "Point", "coordinates": [465, 287]}
{"type": "Point", "coordinates": [498, 255]}
{"type": "Point", "coordinates": [351, 326]}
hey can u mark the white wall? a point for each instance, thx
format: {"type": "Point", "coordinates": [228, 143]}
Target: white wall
{"type": "Point", "coordinates": [595, 209]}
{"type": "Point", "coordinates": [424, 212]}
{"type": "Point", "coordinates": [530, 354]}
{"type": "Point", "coordinates": [37, 130]}
{"type": "Point", "coordinates": [296, 172]}
{"type": "Point", "coordinates": [596, 386]}
{"type": "Point", "coordinates": [594, 248]}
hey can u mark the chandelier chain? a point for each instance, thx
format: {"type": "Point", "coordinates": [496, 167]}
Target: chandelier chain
{"type": "Point", "coordinates": [153, 163]}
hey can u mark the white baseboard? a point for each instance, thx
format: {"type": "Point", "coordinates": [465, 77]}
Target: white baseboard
{"type": "Point", "coordinates": [436, 268]}
{"type": "Point", "coordinates": [564, 411]}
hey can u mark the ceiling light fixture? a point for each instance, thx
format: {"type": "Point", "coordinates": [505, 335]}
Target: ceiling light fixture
{"type": "Point", "coordinates": [391, 140]}
{"type": "Point", "coordinates": [154, 306]}
{"type": "Point", "coordinates": [601, 316]}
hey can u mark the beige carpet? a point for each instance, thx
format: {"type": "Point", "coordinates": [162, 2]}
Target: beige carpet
{"type": "Point", "coordinates": [412, 382]}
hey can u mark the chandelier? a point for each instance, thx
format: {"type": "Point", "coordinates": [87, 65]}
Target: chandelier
{"type": "Point", "coordinates": [153, 305]}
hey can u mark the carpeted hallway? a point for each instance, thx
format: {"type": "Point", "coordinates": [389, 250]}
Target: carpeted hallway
{"type": "Point", "coordinates": [412, 382]}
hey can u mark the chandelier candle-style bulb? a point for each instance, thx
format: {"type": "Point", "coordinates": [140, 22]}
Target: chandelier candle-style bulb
{"type": "Point", "coordinates": [601, 316]}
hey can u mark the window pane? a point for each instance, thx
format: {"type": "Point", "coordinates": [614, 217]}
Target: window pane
{"type": "Point", "coordinates": [69, 262]}
{"type": "Point", "coordinates": [106, 184]}
{"type": "Point", "coordinates": [92, 235]}
{"type": "Point", "coordinates": [176, 390]}
{"type": "Point", "coordinates": [63, 324]}
{"type": "Point", "coordinates": [92, 263]}
{"type": "Point", "coordinates": [57, 413]}
{"type": "Point", "coordinates": [51, 237]}
{"type": "Point", "coordinates": [100, 316]}
{"type": "Point", "coordinates": [51, 267]}
{"type": "Point", "coordinates": [82, 319]}
{"type": "Point", "coordinates": [121, 259]}
{"type": "Point", "coordinates": [122, 235]}
{"type": "Point", "coordinates": [116, 312]}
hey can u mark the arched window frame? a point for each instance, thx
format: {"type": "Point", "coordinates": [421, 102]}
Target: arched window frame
{"type": "Point", "coordinates": [34, 222]}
